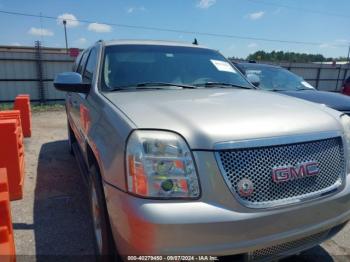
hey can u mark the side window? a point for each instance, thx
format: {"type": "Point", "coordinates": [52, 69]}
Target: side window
{"type": "Point", "coordinates": [76, 62]}
{"type": "Point", "coordinates": [90, 66]}
{"type": "Point", "coordinates": [82, 62]}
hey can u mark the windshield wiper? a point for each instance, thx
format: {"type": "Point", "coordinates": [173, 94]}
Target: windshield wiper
{"type": "Point", "coordinates": [221, 84]}
{"type": "Point", "coordinates": [278, 90]}
{"type": "Point", "coordinates": [151, 85]}
{"type": "Point", "coordinates": [275, 90]}
{"type": "Point", "coordinates": [302, 88]}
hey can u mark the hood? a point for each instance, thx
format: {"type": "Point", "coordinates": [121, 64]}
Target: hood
{"type": "Point", "coordinates": [334, 100]}
{"type": "Point", "coordinates": [205, 117]}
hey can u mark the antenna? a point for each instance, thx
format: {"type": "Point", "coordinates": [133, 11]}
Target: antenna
{"type": "Point", "coordinates": [65, 34]}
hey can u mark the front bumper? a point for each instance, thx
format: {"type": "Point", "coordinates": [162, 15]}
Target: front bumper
{"type": "Point", "coordinates": [216, 224]}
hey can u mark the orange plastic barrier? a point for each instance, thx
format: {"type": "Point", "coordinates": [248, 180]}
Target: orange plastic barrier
{"type": "Point", "coordinates": [22, 103]}
{"type": "Point", "coordinates": [12, 156]}
{"type": "Point", "coordinates": [7, 246]}
{"type": "Point", "coordinates": [12, 114]}
{"type": "Point", "coordinates": [24, 95]}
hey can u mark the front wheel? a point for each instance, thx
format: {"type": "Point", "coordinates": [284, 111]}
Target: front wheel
{"type": "Point", "coordinates": [104, 243]}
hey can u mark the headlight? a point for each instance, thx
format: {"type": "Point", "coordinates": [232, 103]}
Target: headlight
{"type": "Point", "coordinates": [160, 165]}
{"type": "Point", "coordinates": [345, 120]}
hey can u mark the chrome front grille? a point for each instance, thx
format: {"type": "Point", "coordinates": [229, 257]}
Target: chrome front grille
{"type": "Point", "coordinates": [281, 249]}
{"type": "Point", "coordinates": [256, 164]}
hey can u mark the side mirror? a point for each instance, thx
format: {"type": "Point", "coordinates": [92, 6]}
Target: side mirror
{"type": "Point", "coordinates": [71, 82]}
{"type": "Point", "coordinates": [254, 79]}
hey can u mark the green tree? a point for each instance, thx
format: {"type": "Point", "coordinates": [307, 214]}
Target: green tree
{"type": "Point", "coordinates": [276, 56]}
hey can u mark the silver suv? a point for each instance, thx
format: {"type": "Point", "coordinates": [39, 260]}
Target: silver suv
{"type": "Point", "coordinates": [183, 156]}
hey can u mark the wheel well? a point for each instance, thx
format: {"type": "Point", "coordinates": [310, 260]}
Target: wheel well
{"type": "Point", "coordinates": [70, 130]}
{"type": "Point", "coordinates": [91, 157]}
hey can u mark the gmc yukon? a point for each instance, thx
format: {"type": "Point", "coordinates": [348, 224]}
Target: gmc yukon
{"type": "Point", "coordinates": [183, 156]}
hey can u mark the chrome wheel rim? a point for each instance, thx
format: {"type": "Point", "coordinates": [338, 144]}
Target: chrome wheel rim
{"type": "Point", "coordinates": [96, 215]}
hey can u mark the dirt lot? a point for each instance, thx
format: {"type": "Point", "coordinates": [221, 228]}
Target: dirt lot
{"type": "Point", "coordinates": [53, 218]}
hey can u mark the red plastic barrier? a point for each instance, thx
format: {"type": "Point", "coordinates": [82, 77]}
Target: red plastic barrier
{"type": "Point", "coordinates": [12, 156]}
{"type": "Point", "coordinates": [7, 246]}
{"type": "Point", "coordinates": [22, 103]}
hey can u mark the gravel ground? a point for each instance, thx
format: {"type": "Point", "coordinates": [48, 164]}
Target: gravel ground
{"type": "Point", "coordinates": [53, 217]}
{"type": "Point", "coordinates": [52, 221]}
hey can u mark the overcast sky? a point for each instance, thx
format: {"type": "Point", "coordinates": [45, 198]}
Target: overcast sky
{"type": "Point", "coordinates": [325, 23]}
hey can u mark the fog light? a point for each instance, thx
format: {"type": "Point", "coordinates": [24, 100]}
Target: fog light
{"type": "Point", "coordinates": [167, 185]}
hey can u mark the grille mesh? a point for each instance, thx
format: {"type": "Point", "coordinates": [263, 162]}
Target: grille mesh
{"type": "Point", "coordinates": [256, 164]}
{"type": "Point", "coordinates": [298, 244]}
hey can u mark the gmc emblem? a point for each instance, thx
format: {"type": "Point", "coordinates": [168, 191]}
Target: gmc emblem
{"type": "Point", "coordinates": [288, 173]}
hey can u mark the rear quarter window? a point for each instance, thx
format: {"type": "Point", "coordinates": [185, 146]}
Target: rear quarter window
{"type": "Point", "coordinates": [77, 61]}
{"type": "Point", "coordinates": [82, 62]}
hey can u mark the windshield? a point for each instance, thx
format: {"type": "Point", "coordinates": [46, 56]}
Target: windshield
{"type": "Point", "coordinates": [130, 65]}
{"type": "Point", "coordinates": [272, 78]}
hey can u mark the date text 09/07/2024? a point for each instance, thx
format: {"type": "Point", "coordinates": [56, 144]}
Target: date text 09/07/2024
{"type": "Point", "coordinates": [172, 258]}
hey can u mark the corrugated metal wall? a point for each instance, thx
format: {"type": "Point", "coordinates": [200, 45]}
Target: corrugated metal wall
{"type": "Point", "coordinates": [19, 74]}
{"type": "Point", "coordinates": [322, 76]}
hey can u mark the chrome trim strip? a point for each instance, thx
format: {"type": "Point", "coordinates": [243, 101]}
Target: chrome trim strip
{"type": "Point", "coordinates": [276, 140]}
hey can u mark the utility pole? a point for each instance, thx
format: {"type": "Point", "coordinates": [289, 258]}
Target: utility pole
{"type": "Point", "coordinates": [348, 59]}
{"type": "Point", "coordinates": [65, 34]}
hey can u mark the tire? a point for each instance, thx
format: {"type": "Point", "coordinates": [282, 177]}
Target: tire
{"type": "Point", "coordinates": [71, 138]}
{"type": "Point", "coordinates": [104, 244]}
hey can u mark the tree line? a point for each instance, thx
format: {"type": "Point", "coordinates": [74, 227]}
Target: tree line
{"type": "Point", "coordinates": [290, 57]}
